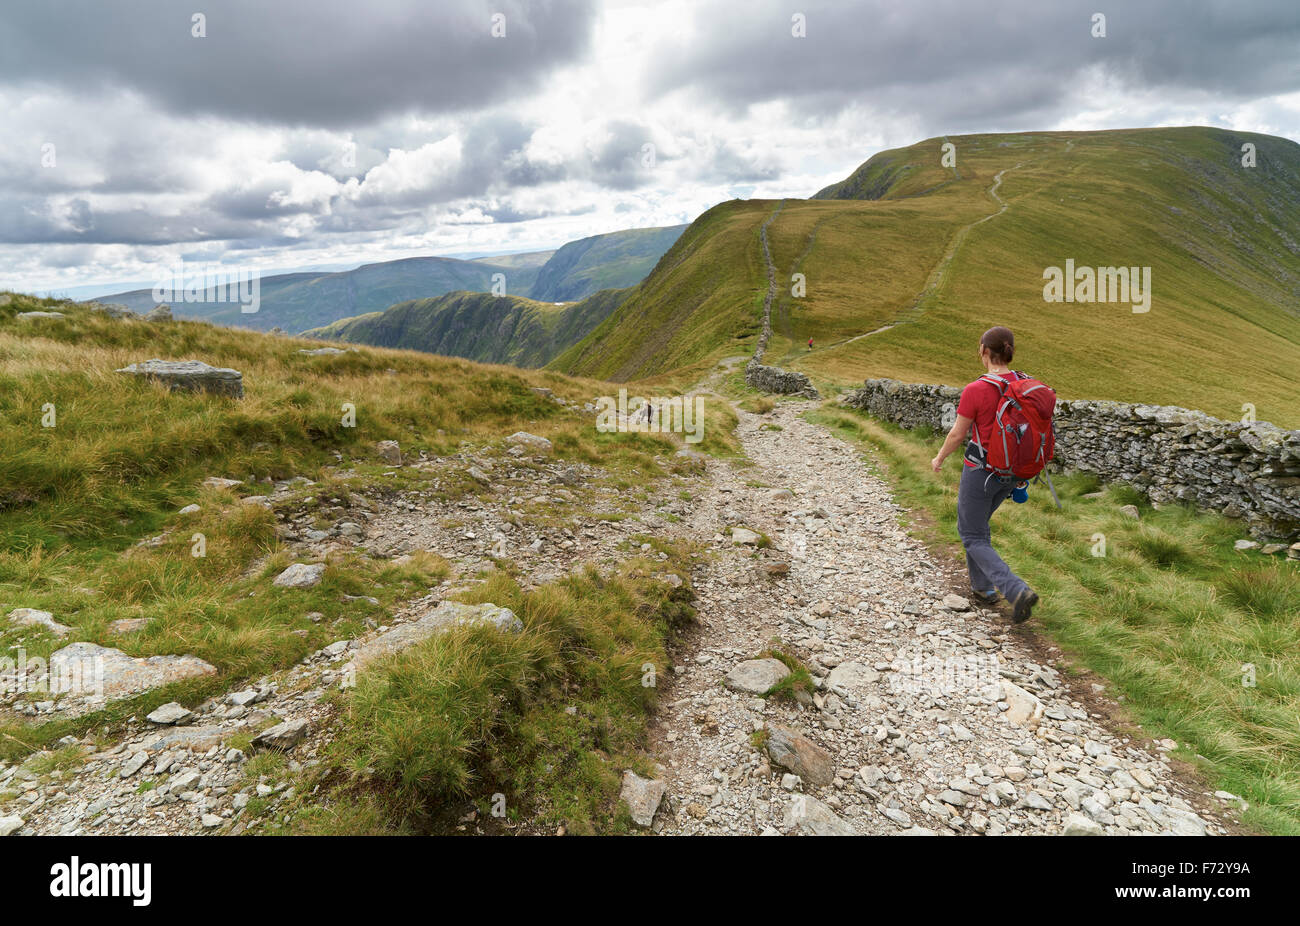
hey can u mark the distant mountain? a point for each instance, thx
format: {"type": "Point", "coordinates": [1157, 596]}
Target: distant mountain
{"type": "Point", "coordinates": [296, 302]}
{"type": "Point", "coordinates": [479, 326]}
{"type": "Point", "coordinates": [527, 259]}
{"type": "Point", "coordinates": [611, 261]}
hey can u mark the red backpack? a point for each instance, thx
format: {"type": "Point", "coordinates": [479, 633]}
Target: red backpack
{"type": "Point", "coordinates": [1024, 437]}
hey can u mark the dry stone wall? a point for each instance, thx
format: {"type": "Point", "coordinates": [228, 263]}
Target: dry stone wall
{"type": "Point", "coordinates": [1247, 471]}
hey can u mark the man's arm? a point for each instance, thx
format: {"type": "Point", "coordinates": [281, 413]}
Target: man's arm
{"type": "Point", "coordinates": [956, 438]}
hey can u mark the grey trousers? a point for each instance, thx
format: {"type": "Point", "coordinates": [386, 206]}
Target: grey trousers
{"type": "Point", "coordinates": [978, 496]}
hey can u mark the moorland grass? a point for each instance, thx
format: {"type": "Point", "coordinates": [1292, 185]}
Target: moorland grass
{"type": "Point", "coordinates": [92, 462]}
{"type": "Point", "coordinates": [547, 718]}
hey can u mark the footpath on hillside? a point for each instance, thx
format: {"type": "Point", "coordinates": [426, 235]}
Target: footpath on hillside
{"type": "Point", "coordinates": [919, 714]}
{"type": "Point", "coordinates": [924, 716]}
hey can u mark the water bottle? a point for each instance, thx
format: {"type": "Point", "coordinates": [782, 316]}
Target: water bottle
{"type": "Point", "coordinates": [1020, 494]}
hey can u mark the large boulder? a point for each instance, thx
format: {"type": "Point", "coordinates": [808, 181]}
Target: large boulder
{"type": "Point", "coordinates": [191, 376]}
{"type": "Point", "coordinates": [161, 313]}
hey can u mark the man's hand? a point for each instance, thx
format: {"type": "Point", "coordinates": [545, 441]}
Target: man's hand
{"type": "Point", "coordinates": [936, 463]}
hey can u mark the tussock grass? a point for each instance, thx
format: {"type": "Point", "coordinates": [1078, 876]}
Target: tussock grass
{"type": "Point", "coordinates": [548, 717]}
{"type": "Point", "coordinates": [1172, 615]}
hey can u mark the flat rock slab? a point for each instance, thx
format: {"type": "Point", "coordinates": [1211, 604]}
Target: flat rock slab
{"type": "Point", "coordinates": [284, 735]}
{"type": "Point", "coordinates": [796, 752]}
{"type": "Point", "coordinates": [300, 575]}
{"type": "Point", "coordinates": [10, 825]}
{"type": "Point", "coordinates": [807, 816]}
{"type": "Point", "coordinates": [756, 676]}
{"type": "Point", "coordinates": [745, 536]}
{"type": "Point", "coordinates": [30, 617]}
{"type": "Point", "coordinates": [111, 673]}
{"type": "Point", "coordinates": [532, 441]}
{"type": "Point", "coordinates": [171, 713]}
{"type": "Point", "coordinates": [40, 315]}
{"type": "Point", "coordinates": [321, 351]}
{"type": "Point", "coordinates": [190, 375]}
{"type": "Point", "coordinates": [446, 615]}
{"type": "Point", "coordinates": [642, 797]}
{"type": "Point", "coordinates": [852, 676]}
{"type": "Point", "coordinates": [195, 739]}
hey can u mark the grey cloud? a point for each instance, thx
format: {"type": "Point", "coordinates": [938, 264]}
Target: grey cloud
{"type": "Point", "coordinates": [957, 66]}
{"type": "Point", "coordinates": [294, 62]}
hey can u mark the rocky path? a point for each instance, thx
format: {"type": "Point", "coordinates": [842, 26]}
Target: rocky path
{"type": "Point", "coordinates": [926, 716]}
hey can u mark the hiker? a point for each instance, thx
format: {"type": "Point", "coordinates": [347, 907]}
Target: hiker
{"type": "Point", "coordinates": [810, 343]}
{"type": "Point", "coordinates": [990, 473]}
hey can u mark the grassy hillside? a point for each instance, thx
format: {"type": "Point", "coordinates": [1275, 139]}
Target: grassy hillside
{"type": "Point", "coordinates": [119, 458]}
{"type": "Point", "coordinates": [298, 301]}
{"type": "Point", "coordinates": [701, 299]}
{"type": "Point", "coordinates": [612, 261]}
{"type": "Point", "coordinates": [932, 252]}
{"type": "Point", "coordinates": [479, 326]}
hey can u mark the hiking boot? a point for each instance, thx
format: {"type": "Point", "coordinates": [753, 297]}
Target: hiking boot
{"type": "Point", "coordinates": [1023, 606]}
{"type": "Point", "coordinates": [988, 598]}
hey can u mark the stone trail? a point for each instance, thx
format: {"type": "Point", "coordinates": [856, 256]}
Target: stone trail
{"type": "Point", "coordinates": [927, 716]}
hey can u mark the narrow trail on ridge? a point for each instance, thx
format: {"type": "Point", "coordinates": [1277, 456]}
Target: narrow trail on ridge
{"type": "Point", "coordinates": [927, 716]}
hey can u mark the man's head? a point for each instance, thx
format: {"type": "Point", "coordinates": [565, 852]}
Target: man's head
{"type": "Point", "coordinates": [997, 345]}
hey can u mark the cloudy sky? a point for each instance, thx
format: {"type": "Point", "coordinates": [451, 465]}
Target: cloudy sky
{"type": "Point", "coordinates": [334, 132]}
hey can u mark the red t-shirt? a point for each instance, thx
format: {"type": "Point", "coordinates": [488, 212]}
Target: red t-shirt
{"type": "Point", "coordinates": [979, 401]}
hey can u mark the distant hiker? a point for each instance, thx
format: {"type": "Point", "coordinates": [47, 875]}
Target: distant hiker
{"type": "Point", "coordinates": [810, 343]}
{"type": "Point", "coordinates": [1013, 439]}
{"type": "Point", "coordinates": [649, 411]}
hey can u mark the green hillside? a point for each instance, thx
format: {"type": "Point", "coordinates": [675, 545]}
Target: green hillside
{"type": "Point", "coordinates": [942, 253]}
{"type": "Point", "coordinates": [298, 301]}
{"type": "Point", "coordinates": [479, 326]}
{"type": "Point", "coordinates": [612, 261]}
